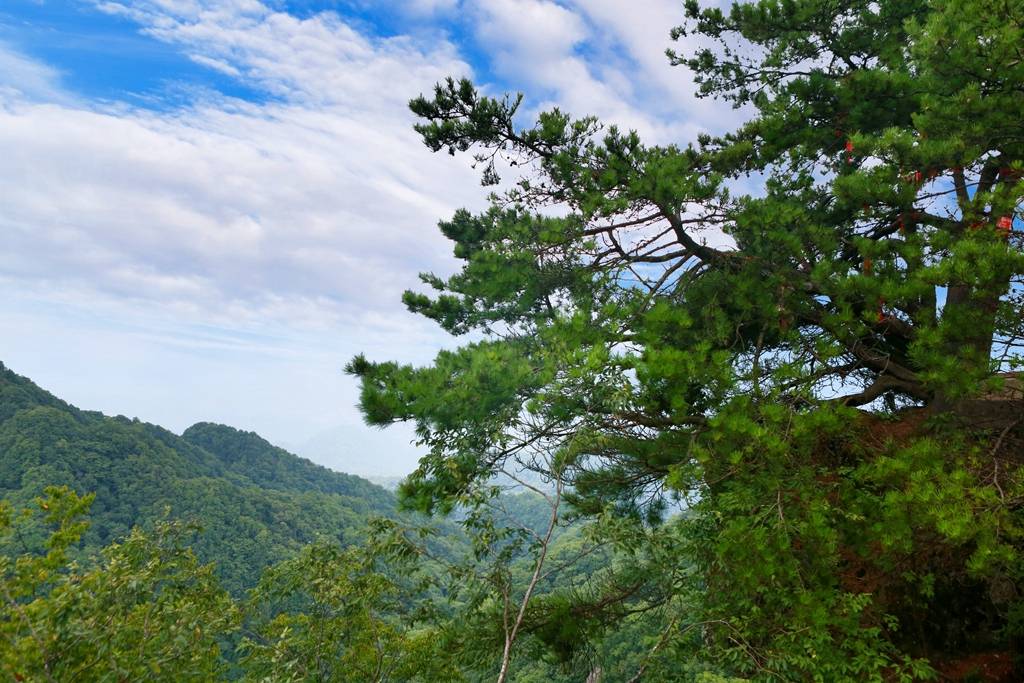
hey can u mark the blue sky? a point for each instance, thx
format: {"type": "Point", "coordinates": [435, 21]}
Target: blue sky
{"type": "Point", "coordinates": [210, 205]}
{"type": "Point", "coordinates": [104, 56]}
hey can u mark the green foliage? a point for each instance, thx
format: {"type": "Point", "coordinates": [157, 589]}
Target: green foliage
{"type": "Point", "coordinates": [367, 599]}
{"type": "Point", "coordinates": [814, 369]}
{"type": "Point", "coordinates": [256, 503]}
{"type": "Point", "coordinates": [336, 617]}
{"type": "Point", "coordinates": [147, 610]}
{"type": "Point", "coordinates": [270, 467]}
{"type": "Point", "coordinates": [144, 608]}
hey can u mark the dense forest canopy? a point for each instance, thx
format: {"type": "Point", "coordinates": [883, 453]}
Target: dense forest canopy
{"type": "Point", "coordinates": [217, 556]}
{"type": "Point", "coordinates": [130, 553]}
{"type": "Point", "coordinates": [256, 503]}
{"type": "Point", "coordinates": [822, 370]}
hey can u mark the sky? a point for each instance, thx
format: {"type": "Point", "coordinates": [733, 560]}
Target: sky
{"type": "Point", "coordinates": [207, 207]}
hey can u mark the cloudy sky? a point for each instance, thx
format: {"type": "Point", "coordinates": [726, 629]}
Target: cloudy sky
{"type": "Point", "coordinates": [208, 206]}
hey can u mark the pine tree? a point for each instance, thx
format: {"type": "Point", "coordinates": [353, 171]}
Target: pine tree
{"type": "Point", "coordinates": [823, 371]}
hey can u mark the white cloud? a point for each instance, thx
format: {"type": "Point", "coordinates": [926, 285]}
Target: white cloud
{"type": "Point", "coordinates": [424, 8]}
{"type": "Point", "coordinates": [323, 193]}
{"type": "Point", "coordinates": [326, 194]}
{"type": "Point", "coordinates": [216, 65]}
{"type": "Point", "coordinates": [642, 34]}
{"type": "Point", "coordinates": [536, 30]}
{"type": "Point", "coordinates": [592, 58]}
{"type": "Point", "coordinates": [24, 77]}
{"type": "Point", "coordinates": [222, 260]}
{"type": "Point", "coordinates": [289, 228]}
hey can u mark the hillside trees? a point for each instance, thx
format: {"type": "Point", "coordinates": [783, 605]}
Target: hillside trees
{"type": "Point", "coordinates": [336, 615]}
{"type": "Point", "coordinates": [822, 370]}
{"type": "Point", "coordinates": [147, 610]}
{"type": "Point", "coordinates": [370, 598]}
{"type": "Point", "coordinates": [257, 503]}
{"type": "Point", "coordinates": [144, 608]}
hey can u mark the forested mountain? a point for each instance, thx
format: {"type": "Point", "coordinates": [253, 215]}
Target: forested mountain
{"type": "Point", "coordinates": [270, 467]}
{"type": "Point", "coordinates": [256, 503]}
{"type": "Point", "coordinates": [287, 561]}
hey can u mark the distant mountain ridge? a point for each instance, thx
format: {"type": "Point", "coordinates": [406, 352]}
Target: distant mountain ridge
{"type": "Point", "coordinates": [272, 467]}
{"type": "Point", "coordinates": [256, 502]}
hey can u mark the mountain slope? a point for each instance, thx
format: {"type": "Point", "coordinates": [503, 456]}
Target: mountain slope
{"type": "Point", "coordinates": [256, 503]}
{"type": "Point", "coordinates": [266, 465]}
